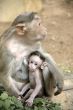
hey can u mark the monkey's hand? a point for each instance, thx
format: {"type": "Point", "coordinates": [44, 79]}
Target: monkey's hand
{"type": "Point", "coordinates": [45, 64]}
{"type": "Point", "coordinates": [29, 102]}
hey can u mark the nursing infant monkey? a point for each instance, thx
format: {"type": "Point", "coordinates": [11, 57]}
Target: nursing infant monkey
{"type": "Point", "coordinates": [36, 62]}
{"type": "Point", "coordinates": [22, 38]}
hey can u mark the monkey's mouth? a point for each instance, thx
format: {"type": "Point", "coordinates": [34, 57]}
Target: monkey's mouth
{"type": "Point", "coordinates": [32, 70]}
{"type": "Point", "coordinates": [40, 37]}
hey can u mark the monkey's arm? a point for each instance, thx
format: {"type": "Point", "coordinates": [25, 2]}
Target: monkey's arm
{"type": "Point", "coordinates": [10, 85]}
{"type": "Point", "coordinates": [19, 71]}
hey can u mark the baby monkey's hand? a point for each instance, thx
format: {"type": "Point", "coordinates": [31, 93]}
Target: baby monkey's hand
{"type": "Point", "coordinates": [29, 102]}
{"type": "Point", "coordinates": [45, 64]}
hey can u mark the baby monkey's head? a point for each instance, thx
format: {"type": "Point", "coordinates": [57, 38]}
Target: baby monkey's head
{"type": "Point", "coordinates": [35, 61]}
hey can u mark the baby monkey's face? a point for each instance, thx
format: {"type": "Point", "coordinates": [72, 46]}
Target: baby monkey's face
{"type": "Point", "coordinates": [34, 62]}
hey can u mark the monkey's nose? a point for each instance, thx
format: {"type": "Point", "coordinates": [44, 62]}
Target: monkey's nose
{"type": "Point", "coordinates": [44, 35]}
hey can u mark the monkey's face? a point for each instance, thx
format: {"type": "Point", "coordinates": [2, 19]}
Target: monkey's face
{"type": "Point", "coordinates": [34, 63]}
{"type": "Point", "coordinates": [32, 31]}
{"type": "Point", "coordinates": [37, 30]}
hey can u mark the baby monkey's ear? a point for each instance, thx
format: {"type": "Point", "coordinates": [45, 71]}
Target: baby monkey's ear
{"type": "Point", "coordinates": [21, 28]}
{"type": "Point", "coordinates": [44, 64]}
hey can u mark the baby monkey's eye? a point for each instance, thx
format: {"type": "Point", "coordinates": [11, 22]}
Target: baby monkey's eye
{"type": "Point", "coordinates": [35, 63]}
{"type": "Point", "coordinates": [31, 62]}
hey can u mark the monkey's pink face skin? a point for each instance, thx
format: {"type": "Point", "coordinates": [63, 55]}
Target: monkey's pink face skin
{"type": "Point", "coordinates": [34, 63]}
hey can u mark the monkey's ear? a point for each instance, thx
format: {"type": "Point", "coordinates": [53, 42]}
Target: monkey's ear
{"type": "Point", "coordinates": [21, 28]}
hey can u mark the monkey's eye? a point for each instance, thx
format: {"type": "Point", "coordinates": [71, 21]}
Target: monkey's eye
{"type": "Point", "coordinates": [31, 62]}
{"type": "Point", "coordinates": [35, 63]}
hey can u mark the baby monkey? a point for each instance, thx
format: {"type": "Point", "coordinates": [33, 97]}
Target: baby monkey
{"type": "Point", "coordinates": [36, 62]}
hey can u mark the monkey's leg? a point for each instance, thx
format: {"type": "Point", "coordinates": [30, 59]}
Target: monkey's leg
{"type": "Point", "coordinates": [25, 88]}
{"type": "Point", "coordinates": [53, 68]}
{"type": "Point", "coordinates": [49, 82]}
{"type": "Point", "coordinates": [28, 94]}
{"type": "Point", "coordinates": [29, 100]}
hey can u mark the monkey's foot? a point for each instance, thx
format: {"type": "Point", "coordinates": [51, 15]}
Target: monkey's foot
{"type": "Point", "coordinates": [29, 102]}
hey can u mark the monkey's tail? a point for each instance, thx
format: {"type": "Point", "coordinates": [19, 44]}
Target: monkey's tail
{"type": "Point", "coordinates": [68, 88]}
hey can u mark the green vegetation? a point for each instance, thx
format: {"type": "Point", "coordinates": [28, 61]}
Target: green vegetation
{"type": "Point", "coordinates": [11, 103]}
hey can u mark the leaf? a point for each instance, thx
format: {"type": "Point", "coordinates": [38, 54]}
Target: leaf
{"type": "Point", "coordinates": [2, 108]}
{"type": "Point", "coordinates": [17, 103]}
{"type": "Point", "coordinates": [4, 96]}
{"type": "Point", "coordinates": [39, 101]}
{"type": "Point", "coordinates": [14, 99]}
{"type": "Point", "coordinates": [35, 108]}
{"type": "Point", "coordinates": [42, 108]}
{"type": "Point", "coordinates": [6, 104]}
{"type": "Point", "coordinates": [1, 103]}
{"type": "Point", "coordinates": [27, 108]}
{"type": "Point", "coordinates": [12, 107]}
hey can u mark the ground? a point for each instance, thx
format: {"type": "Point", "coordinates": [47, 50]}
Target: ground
{"type": "Point", "coordinates": [58, 18]}
{"type": "Point", "coordinates": [66, 97]}
{"type": "Point", "coordinates": [57, 15]}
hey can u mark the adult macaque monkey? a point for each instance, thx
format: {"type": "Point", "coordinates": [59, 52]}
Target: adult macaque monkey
{"type": "Point", "coordinates": [16, 43]}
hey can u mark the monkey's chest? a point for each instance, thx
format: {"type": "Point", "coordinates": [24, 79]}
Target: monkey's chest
{"type": "Point", "coordinates": [17, 49]}
{"type": "Point", "coordinates": [32, 81]}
